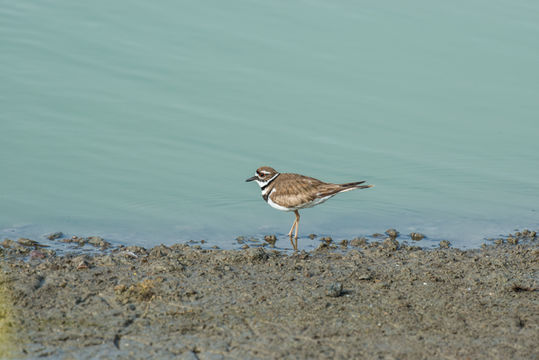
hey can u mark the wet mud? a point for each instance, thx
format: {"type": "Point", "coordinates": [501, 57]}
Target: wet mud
{"type": "Point", "coordinates": [382, 300]}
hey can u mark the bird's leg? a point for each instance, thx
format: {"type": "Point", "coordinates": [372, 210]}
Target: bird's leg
{"type": "Point", "coordinates": [294, 224]}
{"type": "Point", "coordinates": [297, 226]}
{"type": "Point", "coordinates": [292, 229]}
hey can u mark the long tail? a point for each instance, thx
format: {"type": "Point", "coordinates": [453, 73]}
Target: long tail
{"type": "Point", "coordinates": [354, 185]}
{"type": "Point", "coordinates": [339, 188]}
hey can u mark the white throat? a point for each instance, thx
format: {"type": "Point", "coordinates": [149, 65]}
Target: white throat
{"type": "Point", "coordinates": [266, 182]}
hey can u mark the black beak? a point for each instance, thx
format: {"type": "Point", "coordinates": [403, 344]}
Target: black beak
{"type": "Point", "coordinates": [251, 178]}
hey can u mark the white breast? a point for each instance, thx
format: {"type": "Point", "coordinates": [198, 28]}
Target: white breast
{"type": "Point", "coordinates": [278, 207]}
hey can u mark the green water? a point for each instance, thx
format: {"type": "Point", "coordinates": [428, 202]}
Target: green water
{"type": "Point", "coordinates": [140, 121]}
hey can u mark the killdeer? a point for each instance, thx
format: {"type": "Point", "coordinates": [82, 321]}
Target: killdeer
{"type": "Point", "coordinates": [291, 192]}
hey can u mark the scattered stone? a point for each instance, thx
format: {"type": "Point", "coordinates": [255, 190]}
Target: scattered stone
{"type": "Point", "coordinates": [160, 251]}
{"type": "Point", "coordinates": [334, 290]}
{"type": "Point", "coordinates": [141, 291]}
{"type": "Point", "coordinates": [498, 241]}
{"type": "Point", "coordinates": [374, 244]}
{"type": "Point", "coordinates": [344, 243]}
{"type": "Point", "coordinates": [322, 246]}
{"type": "Point", "coordinates": [97, 241]}
{"type": "Point", "coordinates": [390, 244]}
{"type": "Point", "coordinates": [36, 254]}
{"type": "Point", "coordinates": [445, 244]}
{"type": "Point", "coordinates": [270, 239]}
{"type": "Point", "coordinates": [10, 244]}
{"type": "Point", "coordinates": [240, 239]}
{"type": "Point", "coordinates": [312, 236]}
{"type": "Point", "coordinates": [256, 254]}
{"type": "Point", "coordinates": [527, 233]}
{"type": "Point", "coordinates": [138, 250]}
{"type": "Point", "coordinates": [327, 239]}
{"type": "Point", "coordinates": [357, 242]}
{"type": "Point", "coordinates": [516, 287]}
{"type": "Point", "coordinates": [30, 243]}
{"type": "Point", "coordinates": [55, 235]}
{"type": "Point", "coordinates": [83, 265]}
{"type": "Point", "coordinates": [7, 243]}
{"type": "Point", "coordinates": [377, 235]}
{"type": "Point", "coordinates": [245, 246]}
{"type": "Point", "coordinates": [512, 240]}
{"type": "Point", "coordinates": [364, 275]}
{"type": "Point", "coordinates": [392, 233]}
{"type": "Point", "coordinates": [416, 236]}
{"type": "Point", "coordinates": [132, 255]}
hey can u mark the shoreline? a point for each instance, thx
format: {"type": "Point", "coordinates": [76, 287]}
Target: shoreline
{"type": "Point", "coordinates": [374, 300]}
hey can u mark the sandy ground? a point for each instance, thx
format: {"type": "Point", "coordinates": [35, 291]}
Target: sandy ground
{"type": "Point", "coordinates": [381, 300]}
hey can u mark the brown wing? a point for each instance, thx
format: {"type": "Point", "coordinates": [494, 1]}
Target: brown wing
{"type": "Point", "coordinates": [295, 190]}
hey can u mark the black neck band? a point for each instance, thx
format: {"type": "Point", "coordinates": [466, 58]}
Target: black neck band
{"type": "Point", "coordinates": [269, 182]}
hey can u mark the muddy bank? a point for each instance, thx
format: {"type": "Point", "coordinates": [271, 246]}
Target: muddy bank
{"type": "Point", "coordinates": [382, 300]}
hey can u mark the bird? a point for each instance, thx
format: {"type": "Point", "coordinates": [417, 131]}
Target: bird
{"type": "Point", "coordinates": [292, 192]}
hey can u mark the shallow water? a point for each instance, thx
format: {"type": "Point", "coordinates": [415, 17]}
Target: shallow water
{"type": "Point", "coordinates": [140, 121]}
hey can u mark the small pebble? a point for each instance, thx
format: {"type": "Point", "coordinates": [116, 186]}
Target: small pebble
{"type": "Point", "coordinates": [270, 239]}
{"type": "Point", "coordinates": [132, 255]}
{"type": "Point", "coordinates": [390, 244]}
{"type": "Point", "coordinates": [512, 240]}
{"type": "Point", "coordinates": [55, 235]}
{"type": "Point", "coordinates": [82, 265]}
{"type": "Point", "coordinates": [97, 241]}
{"type": "Point", "coordinates": [312, 236]}
{"type": "Point", "coordinates": [364, 275]}
{"type": "Point", "coordinates": [29, 242]}
{"type": "Point", "coordinates": [36, 254]}
{"type": "Point", "coordinates": [334, 290]}
{"type": "Point", "coordinates": [322, 246]}
{"type": "Point", "coordinates": [362, 241]}
{"type": "Point", "coordinates": [392, 233]}
{"type": "Point", "coordinates": [416, 236]}
{"type": "Point", "coordinates": [240, 239]}
{"type": "Point", "coordinates": [445, 244]}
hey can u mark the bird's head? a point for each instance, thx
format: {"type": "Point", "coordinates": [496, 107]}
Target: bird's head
{"type": "Point", "coordinates": [263, 175]}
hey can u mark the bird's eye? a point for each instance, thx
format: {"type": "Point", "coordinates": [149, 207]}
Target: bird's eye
{"type": "Point", "coordinates": [260, 175]}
